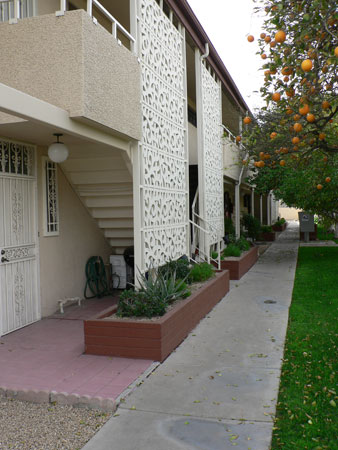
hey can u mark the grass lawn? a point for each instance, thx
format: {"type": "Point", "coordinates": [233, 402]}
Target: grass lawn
{"type": "Point", "coordinates": [307, 409]}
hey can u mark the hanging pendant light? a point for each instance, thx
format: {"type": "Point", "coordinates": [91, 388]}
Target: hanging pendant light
{"type": "Point", "coordinates": [57, 151]}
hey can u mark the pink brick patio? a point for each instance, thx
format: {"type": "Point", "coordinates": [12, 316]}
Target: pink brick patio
{"type": "Point", "coordinates": [48, 355]}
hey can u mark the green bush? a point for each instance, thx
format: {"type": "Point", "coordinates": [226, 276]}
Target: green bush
{"type": "Point", "coordinates": [155, 294]}
{"type": "Point", "coordinates": [229, 226]}
{"type": "Point", "coordinates": [201, 272]}
{"type": "Point", "coordinates": [214, 255]}
{"type": "Point", "coordinates": [252, 225]}
{"type": "Point", "coordinates": [279, 222]}
{"type": "Point", "coordinates": [232, 250]}
{"type": "Point", "coordinates": [266, 229]}
{"type": "Point", "coordinates": [242, 244]}
{"type": "Point", "coordinates": [179, 268]}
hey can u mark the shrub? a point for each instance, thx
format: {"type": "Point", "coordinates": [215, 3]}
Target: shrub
{"type": "Point", "coordinates": [154, 296]}
{"type": "Point", "coordinates": [252, 225]}
{"type": "Point", "coordinates": [243, 244]}
{"type": "Point", "coordinates": [214, 255]}
{"type": "Point", "coordinates": [232, 250]}
{"type": "Point", "coordinates": [201, 272]}
{"type": "Point", "coordinates": [229, 226]}
{"type": "Point", "coordinates": [179, 268]}
{"type": "Point", "coordinates": [266, 229]}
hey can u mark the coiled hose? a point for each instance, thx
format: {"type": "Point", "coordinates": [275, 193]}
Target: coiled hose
{"type": "Point", "coordinates": [96, 276]}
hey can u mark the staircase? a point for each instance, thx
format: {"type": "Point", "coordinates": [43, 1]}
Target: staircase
{"type": "Point", "coordinates": [105, 186]}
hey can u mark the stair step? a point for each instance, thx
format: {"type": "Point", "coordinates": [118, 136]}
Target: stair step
{"type": "Point", "coordinates": [108, 202]}
{"type": "Point", "coordinates": [96, 164]}
{"type": "Point", "coordinates": [115, 223]}
{"type": "Point", "coordinates": [107, 176]}
{"type": "Point", "coordinates": [103, 188]}
{"type": "Point", "coordinates": [125, 233]}
{"type": "Point", "coordinates": [121, 242]}
{"type": "Point", "coordinates": [108, 213]}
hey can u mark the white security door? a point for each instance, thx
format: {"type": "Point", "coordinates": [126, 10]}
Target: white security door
{"type": "Point", "coordinates": [19, 292]}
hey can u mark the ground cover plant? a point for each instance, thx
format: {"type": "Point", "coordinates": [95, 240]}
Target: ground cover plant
{"type": "Point", "coordinates": [308, 402]}
{"type": "Point", "coordinates": [159, 288]}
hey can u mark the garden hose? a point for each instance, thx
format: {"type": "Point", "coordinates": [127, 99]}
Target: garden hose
{"type": "Point", "coordinates": [96, 278]}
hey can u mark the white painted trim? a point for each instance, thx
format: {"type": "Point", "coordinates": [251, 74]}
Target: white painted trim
{"type": "Point", "coordinates": [46, 233]}
{"type": "Point", "coordinates": [31, 108]}
{"type": "Point", "coordinates": [186, 138]}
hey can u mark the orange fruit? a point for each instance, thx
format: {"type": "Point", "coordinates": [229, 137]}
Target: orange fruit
{"type": "Point", "coordinates": [273, 44]}
{"type": "Point", "coordinates": [250, 38]}
{"type": "Point", "coordinates": [238, 138]}
{"type": "Point", "coordinates": [263, 56]}
{"type": "Point", "coordinates": [247, 120]}
{"type": "Point", "coordinates": [273, 135]}
{"type": "Point", "coordinates": [267, 39]}
{"type": "Point", "coordinates": [336, 52]}
{"type": "Point", "coordinates": [262, 36]}
{"type": "Point", "coordinates": [261, 164]}
{"type": "Point", "coordinates": [290, 92]}
{"type": "Point", "coordinates": [289, 111]}
{"type": "Point", "coordinates": [295, 148]}
{"type": "Point", "coordinates": [327, 179]}
{"type": "Point", "coordinates": [306, 65]}
{"type": "Point", "coordinates": [261, 155]}
{"type": "Point", "coordinates": [284, 150]}
{"type": "Point", "coordinates": [273, 71]}
{"type": "Point", "coordinates": [319, 186]}
{"type": "Point", "coordinates": [298, 127]}
{"type": "Point", "coordinates": [244, 161]}
{"type": "Point", "coordinates": [325, 69]}
{"type": "Point", "coordinates": [304, 110]}
{"type": "Point", "coordinates": [322, 136]}
{"type": "Point", "coordinates": [276, 96]}
{"type": "Point", "coordinates": [280, 36]}
{"type": "Point", "coordinates": [286, 79]}
{"type": "Point", "coordinates": [295, 140]}
{"type": "Point", "coordinates": [282, 162]}
{"type": "Point", "coordinates": [296, 117]}
{"type": "Point", "coordinates": [310, 117]}
{"type": "Point", "coordinates": [267, 156]}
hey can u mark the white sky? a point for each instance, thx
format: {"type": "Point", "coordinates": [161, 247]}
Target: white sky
{"type": "Point", "coordinates": [227, 23]}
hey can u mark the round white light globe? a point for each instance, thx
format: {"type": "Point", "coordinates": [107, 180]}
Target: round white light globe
{"type": "Point", "coordinates": [58, 152]}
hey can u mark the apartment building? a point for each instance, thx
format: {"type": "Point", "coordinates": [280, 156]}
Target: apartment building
{"type": "Point", "coordinates": [147, 113]}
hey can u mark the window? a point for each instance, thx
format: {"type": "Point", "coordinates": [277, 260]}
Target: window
{"type": "Point", "coordinates": [26, 9]}
{"type": "Point", "coordinates": [51, 200]}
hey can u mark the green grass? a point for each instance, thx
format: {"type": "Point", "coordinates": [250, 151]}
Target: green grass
{"type": "Point", "coordinates": [307, 409]}
{"type": "Point", "coordinates": [324, 235]}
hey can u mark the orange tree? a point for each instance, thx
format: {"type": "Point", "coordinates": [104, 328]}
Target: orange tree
{"type": "Point", "coordinates": [297, 130]}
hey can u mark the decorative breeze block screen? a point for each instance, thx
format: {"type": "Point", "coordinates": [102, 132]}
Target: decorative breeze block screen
{"type": "Point", "coordinates": [164, 161]}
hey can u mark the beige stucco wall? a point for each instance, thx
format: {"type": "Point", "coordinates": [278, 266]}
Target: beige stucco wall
{"type": "Point", "coordinates": [63, 257]}
{"type": "Point", "coordinates": [288, 213]}
{"type": "Point", "coordinates": [72, 63]}
{"type": "Point", "coordinates": [232, 159]}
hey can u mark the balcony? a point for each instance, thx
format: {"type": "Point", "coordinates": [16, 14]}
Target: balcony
{"type": "Point", "coordinates": [70, 60]}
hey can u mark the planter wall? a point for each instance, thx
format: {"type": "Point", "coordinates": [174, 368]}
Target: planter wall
{"type": "Point", "coordinates": [238, 266]}
{"type": "Point", "coordinates": [279, 228]}
{"type": "Point", "coordinates": [268, 236]}
{"type": "Point", "coordinates": [158, 338]}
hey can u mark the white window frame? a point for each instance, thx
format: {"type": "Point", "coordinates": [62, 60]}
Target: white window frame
{"type": "Point", "coordinates": [47, 224]}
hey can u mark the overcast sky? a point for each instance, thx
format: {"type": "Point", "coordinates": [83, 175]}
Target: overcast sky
{"type": "Point", "coordinates": [227, 23]}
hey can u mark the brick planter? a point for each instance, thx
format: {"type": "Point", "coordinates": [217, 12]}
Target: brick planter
{"type": "Point", "coordinates": [153, 339]}
{"type": "Point", "coordinates": [238, 266]}
{"type": "Point", "coordinates": [268, 236]}
{"type": "Point", "coordinates": [279, 228]}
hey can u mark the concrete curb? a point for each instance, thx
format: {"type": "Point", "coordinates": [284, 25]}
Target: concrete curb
{"type": "Point", "coordinates": [60, 398]}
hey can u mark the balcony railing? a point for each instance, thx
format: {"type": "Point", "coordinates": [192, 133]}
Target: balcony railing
{"type": "Point", "coordinates": [12, 10]}
{"type": "Point", "coordinates": [116, 26]}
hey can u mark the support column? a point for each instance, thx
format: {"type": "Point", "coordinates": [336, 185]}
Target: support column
{"type": "Point", "coordinates": [268, 209]}
{"type": "Point", "coordinates": [261, 209]}
{"type": "Point", "coordinates": [238, 211]}
{"type": "Point", "coordinates": [137, 210]}
{"type": "Point", "coordinates": [253, 202]}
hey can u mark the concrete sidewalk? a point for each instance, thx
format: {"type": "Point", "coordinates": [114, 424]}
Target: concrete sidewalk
{"type": "Point", "coordinates": [219, 389]}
